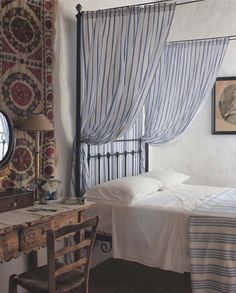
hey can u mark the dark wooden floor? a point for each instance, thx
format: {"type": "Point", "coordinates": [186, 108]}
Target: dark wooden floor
{"type": "Point", "coordinates": [118, 276]}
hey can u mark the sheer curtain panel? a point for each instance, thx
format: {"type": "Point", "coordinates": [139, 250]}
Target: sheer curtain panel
{"type": "Point", "coordinates": [185, 76]}
{"type": "Point", "coordinates": [120, 52]}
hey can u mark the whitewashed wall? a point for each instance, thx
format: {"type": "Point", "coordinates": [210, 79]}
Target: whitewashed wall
{"type": "Point", "coordinates": [209, 159]}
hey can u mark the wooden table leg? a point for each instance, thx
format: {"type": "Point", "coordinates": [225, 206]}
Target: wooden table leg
{"type": "Point", "coordinates": [32, 260]}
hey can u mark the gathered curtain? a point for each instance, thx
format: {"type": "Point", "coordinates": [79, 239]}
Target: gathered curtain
{"type": "Point", "coordinates": [121, 49]}
{"type": "Point", "coordinates": [120, 53]}
{"type": "Point", "coordinates": [185, 76]}
{"type": "Point", "coordinates": [99, 173]}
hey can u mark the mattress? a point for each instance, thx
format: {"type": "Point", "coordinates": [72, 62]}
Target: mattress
{"type": "Point", "coordinates": [154, 231]}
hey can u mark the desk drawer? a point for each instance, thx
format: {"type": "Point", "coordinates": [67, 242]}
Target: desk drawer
{"type": "Point", "coordinates": [35, 235]}
{"type": "Point", "coordinates": [12, 200]}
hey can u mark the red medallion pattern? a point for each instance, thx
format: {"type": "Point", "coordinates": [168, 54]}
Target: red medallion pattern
{"type": "Point", "coordinates": [26, 83]}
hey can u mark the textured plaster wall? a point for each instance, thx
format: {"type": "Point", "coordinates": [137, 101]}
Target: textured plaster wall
{"type": "Point", "coordinates": [209, 159]}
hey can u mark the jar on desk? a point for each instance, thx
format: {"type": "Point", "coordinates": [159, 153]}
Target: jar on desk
{"type": "Point", "coordinates": [43, 196]}
{"type": "Point", "coordinates": [47, 189]}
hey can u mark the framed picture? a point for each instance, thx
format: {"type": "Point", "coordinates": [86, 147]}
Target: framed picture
{"type": "Point", "coordinates": [224, 106]}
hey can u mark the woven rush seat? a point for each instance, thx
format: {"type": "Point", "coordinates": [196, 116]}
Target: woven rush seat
{"type": "Point", "coordinates": [37, 279]}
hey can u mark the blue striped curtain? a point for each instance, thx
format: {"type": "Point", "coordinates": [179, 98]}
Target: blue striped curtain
{"type": "Point", "coordinates": [121, 49]}
{"type": "Point", "coordinates": [117, 166]}
{"type": "Point", "coordinates": [185, 76]}
{"type": "Point", "coordinates": [132, 163]}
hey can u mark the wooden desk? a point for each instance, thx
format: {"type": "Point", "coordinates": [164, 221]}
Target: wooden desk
{"type": "Point", "coordinates": [24, 230]}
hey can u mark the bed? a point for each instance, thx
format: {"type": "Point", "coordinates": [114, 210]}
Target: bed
{"type": "Point", "coordinates": [153, 230]}
{"type": "Point", "coordinates": [159, 220]}
{"type": "Point", "coordinates": [151, 224]}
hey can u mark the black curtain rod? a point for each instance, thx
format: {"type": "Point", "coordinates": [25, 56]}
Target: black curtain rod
{"type": "Point", "coordinates": [188, 2]}
{"type": "Point", "coordinates": [232, 38]}
{"type": "Point", "coordinates": [149, 3]}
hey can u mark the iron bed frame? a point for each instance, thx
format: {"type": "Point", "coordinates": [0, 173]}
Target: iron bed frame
{"type": "Point", "coordinates": [78, 86]}
{"type": "Point", "coordinates": [78, 93]}
{"type": "Point", "coordinates": [105, 239]}
{"type": "Point", "coordinates": [78, 141]}
{"type": "Point", "coordinates": [116, 156]}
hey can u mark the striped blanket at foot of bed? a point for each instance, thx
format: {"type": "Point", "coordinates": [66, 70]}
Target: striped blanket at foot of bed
{"type": "Point", "coordinates": [212, 241]}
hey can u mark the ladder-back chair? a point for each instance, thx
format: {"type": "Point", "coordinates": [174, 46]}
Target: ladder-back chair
{"type": "Point", "coordinates": [58, 276]}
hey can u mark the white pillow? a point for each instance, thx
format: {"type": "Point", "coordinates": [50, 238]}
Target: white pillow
{"type": "Point", "coordinates": [124, 190]}
{"type": "Point", "coordinates": [169, 178]}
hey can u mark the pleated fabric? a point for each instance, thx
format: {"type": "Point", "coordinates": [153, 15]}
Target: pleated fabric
{"type": "Point", "coordinates": [185, 76]}
{"type": "Point", "coordinates": [121, 49]}
{"type": "Point", "coordinates": [120, 52]}
{"type": "Point", "coordinates": [105, 169]}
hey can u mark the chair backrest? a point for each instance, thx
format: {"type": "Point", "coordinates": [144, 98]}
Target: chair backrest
{"type": "Point", "coordinates": [83, 245]}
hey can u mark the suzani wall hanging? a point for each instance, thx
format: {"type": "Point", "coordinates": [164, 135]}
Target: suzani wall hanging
{"type": "Point", "coordinates": [26, 67]}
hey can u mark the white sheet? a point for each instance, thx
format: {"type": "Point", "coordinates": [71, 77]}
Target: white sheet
{"type": "Point", "coordinates": [153, 231]}
{"type": "Point", "coordinates": [104, 210]}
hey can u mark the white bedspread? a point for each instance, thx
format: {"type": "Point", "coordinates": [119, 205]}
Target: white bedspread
{"type": "Point", "coordinates": [154, 231]}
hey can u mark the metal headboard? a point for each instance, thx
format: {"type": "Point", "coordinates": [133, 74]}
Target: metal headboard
{"type": "Point", "coordinates": [123, 159]}
{"type": "Point", "coordinates": [130, 155]}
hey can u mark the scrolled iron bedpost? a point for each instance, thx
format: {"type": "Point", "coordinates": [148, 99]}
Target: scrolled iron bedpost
{"type": "Point", "coordinates": [78, 105]}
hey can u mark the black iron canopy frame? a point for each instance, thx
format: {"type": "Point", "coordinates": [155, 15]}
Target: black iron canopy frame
{"type": "Point", "coordinates": [106, 240]}
{"type": "Point", "coordinates": [78, 88]}
{"type": "Point", "coordinates": [124, 154]}
{"type": "Point", "coordinates": [103, 237]}
{"type": "Point", "coordinates": [106, 247]}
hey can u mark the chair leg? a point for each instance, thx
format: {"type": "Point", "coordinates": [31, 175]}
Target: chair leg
{"type": "Point", "coordinates": [86, 286]}
{"type": "Point", "coordinates": [12, 284]}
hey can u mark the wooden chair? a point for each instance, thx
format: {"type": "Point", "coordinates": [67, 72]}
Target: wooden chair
{"type": "Point", "coordinates": [58, 276]}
